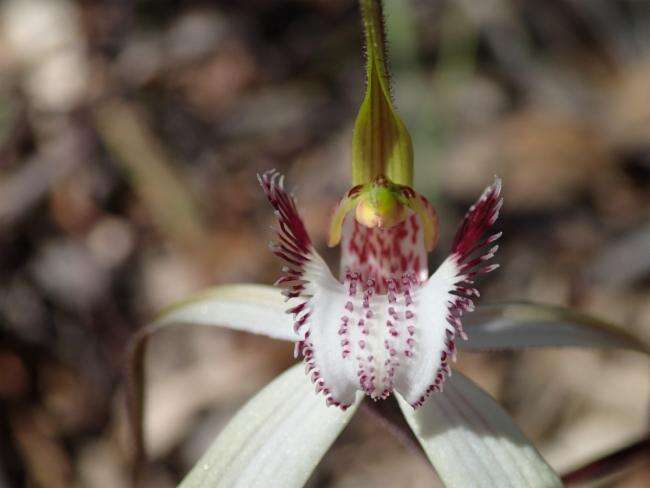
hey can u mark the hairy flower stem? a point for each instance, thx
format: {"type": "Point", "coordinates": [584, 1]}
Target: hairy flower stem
{"type": "Point", "coordinates": [375, 38]}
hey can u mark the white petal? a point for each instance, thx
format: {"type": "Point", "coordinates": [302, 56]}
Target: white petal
{"type": "Point", "coordinates": [331, 370]}
{"type": "Point", "coordinates": [252, 308]}
{"type": "Point", "coordinates": [318, 299]}
{"type": "Point", "coordinates": [276, 440]}
{"type": "Point", "coordinates": [471, 440]}
{"type": "Point", "coordinates": [433, 336]}
{"type": "Point", "coordinates": [444, 298]}
{"type": "Point", "coordinates": [521, 325]}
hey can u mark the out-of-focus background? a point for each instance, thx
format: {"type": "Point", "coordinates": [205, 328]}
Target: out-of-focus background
{"type": "Point", "coordinates": [130, 136]}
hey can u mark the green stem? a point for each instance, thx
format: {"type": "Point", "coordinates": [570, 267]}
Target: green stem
{"type": "Point", "coordinates": [375, 36]}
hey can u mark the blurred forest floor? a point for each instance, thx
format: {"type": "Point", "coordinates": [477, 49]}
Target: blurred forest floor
{"type": "Point", "coordinates": [130, 137]}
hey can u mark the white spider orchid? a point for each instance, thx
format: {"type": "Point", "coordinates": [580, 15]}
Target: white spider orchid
{"type": "Point", "coordinates": [385, 326]}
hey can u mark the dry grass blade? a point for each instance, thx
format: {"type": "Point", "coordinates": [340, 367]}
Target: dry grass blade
{"type": "Point", "coordinates": [147, 165]}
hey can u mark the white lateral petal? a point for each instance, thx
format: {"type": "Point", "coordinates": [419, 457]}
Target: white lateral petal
{"type": "Point", "coordinates": [522, 325]}
{"type": "Point", "coordinates": [326, 349]}
{"type": "Point", "coordinates": [446, 296]}
{"type": "Point", "coordinates": [432, 335]}
{"type": "Point", "coordinates": [276, 440]}
{"type": "Point", "coordinates": [317, 298]}
{"type": "Point", "coordinates": [257, 309]}
{"type": "Point", "coordinates": [472, 441]}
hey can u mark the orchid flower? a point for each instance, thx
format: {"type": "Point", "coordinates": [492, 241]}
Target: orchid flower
{"type": "Point", "coordinates": [384, 327]}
